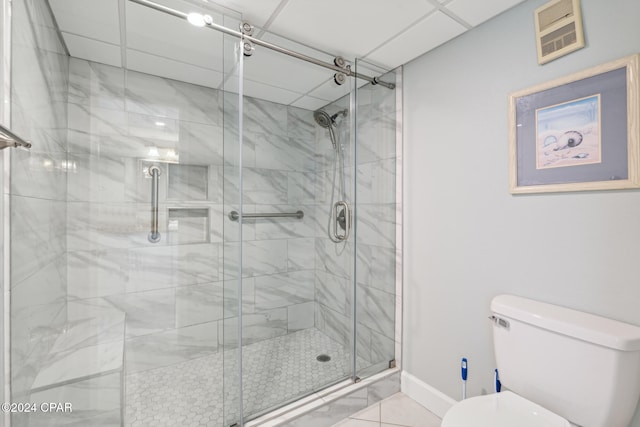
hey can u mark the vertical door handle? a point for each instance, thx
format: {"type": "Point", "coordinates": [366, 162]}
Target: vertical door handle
{"type": "Point", "coordinates": [154, 235]}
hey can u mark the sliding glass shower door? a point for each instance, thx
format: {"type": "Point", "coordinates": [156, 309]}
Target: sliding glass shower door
{"type": "Point", "coordinates": [295, 169]}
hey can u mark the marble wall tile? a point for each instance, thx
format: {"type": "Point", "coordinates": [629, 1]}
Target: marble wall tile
{"type": "Point", "coordinates": [301, 124]}
{"type": "Point", "coordinates": [171, 266]}
{"type": "Point", "coordinates": [201, 144]}
{"type": "Point", "coordinates": [376, 182]}
{"type": "Point", "coordinates": [156, 96]}
{"type": "Point", "coordinates": [335, 325]}
{"type": "Point", "coordinates": [377, 224]}
{"type": "Point", "coordinates": [300, 316]}
{"type": "Point", "coordinates": [170, 347]}
{"type": "Point", "coordinates": [285, 289]}
{"type": "Point", "coordinates": [376, 310]}
{"type": "Point", "coordinates": [96, 402]}
{"type": "Point", "coordinates": [199, 304]}
{"type": "Point", "coordinates": [283, 152]}
{"type": "Point", "coordinates": [301, 253]}
{"type": "Point", "coordinates": [334, 291]}
{"type": "Point", "coordinates": [231, 288]}
{"type": "Point", "coordinates": [377, 139]}
{"type": "Point", "coordinates": [336, 258]}
{"type": "Point", "coordinates": [91, 83]}
{"type": "Point", "coordinates": [284, 228]}
{"type": "Point", "coordinates": [147, 312]}
{"type": "Point", "coordinates": [262, 257]}
{"type": "Point", "coordinates": [382, 348]}
{"type": "Point", "coordinates": [94, 274]}
{"type": "Point", "coordinates": [264, 117]}
{"type": "Point", "coordinates": [256, 327]}
{"type": "Point", "coordinates": [37, 235]}
{"type": "Point", "coordinates": [264, 186]}
{"type": "Point", "coordinates": [187, 182]}
{"type": "Point", "coordinates": [98, 178]}
{"type": "Point", "coordinates": [47, 285]}
{"type": "Point", "coordinates": [376, 267]}
{"type": "Point", "coordinates": [301, 188]}
{"type": "Point", "coordinates": [37, 174]}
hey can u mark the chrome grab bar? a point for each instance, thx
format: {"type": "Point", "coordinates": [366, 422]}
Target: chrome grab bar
{"type": "Point", "coordinates": [346, 211]}
{"type": "Point", "coordinates": [10, 139]}
{"type": "Point", "coordinates": [154, 235]}
{"type": "Point", "coordinates": [234, 215]}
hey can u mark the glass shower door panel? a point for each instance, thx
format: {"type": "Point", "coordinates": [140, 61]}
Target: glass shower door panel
{"type": "Point", "coordinates": [377, 210]}
{"type": "Point", "coordinates": [297, 322]}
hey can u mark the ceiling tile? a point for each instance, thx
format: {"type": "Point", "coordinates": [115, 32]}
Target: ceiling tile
{"type": "Point", "coordinates": [164, 35]}
{"type": "Point", "coordinates": [256, 12]}
{"type": "Point", "coordinates": [348, 28]}
{"type": "Point", "coordinates": [100, 21]}
{"type": "Point", "coordinates": [262, 91]}
{"type": "Point", "coordinates": [476, 12]}
{"type": "Point", "coordinates": [422, 37]}
{"type": "Point", "coordinates": [93, 50]}
{"type": "Point", "coordinates": [309, 103]}
{"type": "Point", "coordinates": [330, 91]}
{"type": "Point", "coordinates": [163, 67]}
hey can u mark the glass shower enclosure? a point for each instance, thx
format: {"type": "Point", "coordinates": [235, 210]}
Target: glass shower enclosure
{"type": "Point", "coordinates": [206, 244]}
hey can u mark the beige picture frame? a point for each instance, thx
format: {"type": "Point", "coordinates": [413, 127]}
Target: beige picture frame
{"type": "Point", "coordinates": [618, 130]}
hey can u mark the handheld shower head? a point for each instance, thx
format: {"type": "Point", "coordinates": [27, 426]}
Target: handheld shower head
{"type": "Point", "coordinates": [326, 121]}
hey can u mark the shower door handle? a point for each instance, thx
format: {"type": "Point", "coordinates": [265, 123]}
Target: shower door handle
{"type": "Point", "coordinates": [154, 235]}
{"type": "Point", "coordinates": [338, 208]}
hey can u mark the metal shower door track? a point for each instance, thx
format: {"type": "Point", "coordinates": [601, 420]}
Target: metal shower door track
{"type": "Point", "coordinates": [214, 26]}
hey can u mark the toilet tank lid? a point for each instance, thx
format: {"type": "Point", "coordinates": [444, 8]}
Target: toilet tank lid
{"type": "Point", "coordinates": [577, 324]}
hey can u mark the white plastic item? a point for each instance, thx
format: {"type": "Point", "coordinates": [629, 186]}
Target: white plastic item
{"type": "Point", "coordinates": [583, 367]}
{"type": "Point", "coordinates": [503, 409]}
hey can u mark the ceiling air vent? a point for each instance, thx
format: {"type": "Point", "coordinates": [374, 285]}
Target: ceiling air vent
{"type": "Point", "coordinates": [558, 29]}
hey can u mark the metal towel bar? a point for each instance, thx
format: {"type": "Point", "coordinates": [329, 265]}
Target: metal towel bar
{"type": "Point", "coordinates": [10, 139]}
{"type": "Point", "coordinates": [234, 215]}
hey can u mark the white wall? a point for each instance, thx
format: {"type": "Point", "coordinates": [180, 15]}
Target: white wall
{"type": "Point", "coordinates": [466, 238]}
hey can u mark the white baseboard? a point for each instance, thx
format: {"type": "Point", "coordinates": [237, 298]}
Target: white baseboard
{"type": "Point", "coordinates": [429, 397]}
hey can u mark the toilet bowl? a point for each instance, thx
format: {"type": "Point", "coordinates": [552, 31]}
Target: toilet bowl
{"type": "Point", "coordinates": [504, 409]}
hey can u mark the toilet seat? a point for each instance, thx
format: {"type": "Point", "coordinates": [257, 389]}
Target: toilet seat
{"type": "Point", "coordinates": [505, 409]}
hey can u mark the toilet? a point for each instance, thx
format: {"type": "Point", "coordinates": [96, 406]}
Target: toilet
{"type": "Point", "coordinates": [558, 368]}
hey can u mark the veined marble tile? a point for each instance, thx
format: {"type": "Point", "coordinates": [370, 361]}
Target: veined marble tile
{"type": "Point", "coordinates": [284, 228]}
{"type": "Point", "coordinates": [376, 267]}
{"type": "Point", "coordinates": [90, 331]}
{"type": "Point", "coordinates": [264, 117]}
{"type": "Point", "coordinates": [259, 257]}
{"type": "Point", "coordinates": [97, 178]}
{"type": "Point", "coordinates": [255, 327]}
{"type": "Point", "coordinates": [170, 266]}
{"type": "Point", "coordinates": [41, 175]}
{"type": "Point", "coordinates": [300, 124]}
{"type": "Point", "coordinates": [301, 253]}
{"type": "Point", "coordinates": [231, 296]}
{"type": "Point", "coordinates": [376, 310]}
{"type": "Point", "coordinates": [335, 325]}
{"type": "Point", "coordinates": [201, 144]}
{"type": "Point", "coordinates": [263, 186]}
{"type": "Point", "coordinates": [199, 304]}
{"type": "Point", "coordinates": [281, 290]}
{"type": "Point", "coordinates": [377, 139]}
{"type": "Point", "coordinates": [97, 273]}
{"type": "Point", "coordinates": [151, 95]}
{"type": "Point", "coordinates": [91, 83]}
{"type": "Point", "coordinates": [98, 121]}
{"type": "Point", "coordinates": [187, 182]}
{"type": "Point", "coordinates": [301, 188]}
{"type": "Point", "coordinates": [80, 363]}
{"type": "Point", "coordinates": [300, 316]}
{"type": "Point", "coordinates": [283, 152]}
{"type": "Point", "coordinates": [96, 402]}
{"type": "Point", "coordinates": [376, 224]}
{"type": "Point", "coordinates": [382, 348]}
{"type": "Point", "coordinates": [37, 234]}
{"type": "Point", "coordinates": [336, 258]}
{"type": "Point", "coordinates": [170, 347]}
{"type": "Point", "coordinates": [334, 291]}
{"type": "Point", "coordinates": [146, 312]}
{"type": "Point", "coordinates": [36, 27]}
{"type": "Point", "coordinates": [383, 388]}
{"type": "Point", "coordinates": [376, 182]}
{"type": "Point", "coordinates": [363, 344]}
{"type": "Point", "coordinates": [47, 285]}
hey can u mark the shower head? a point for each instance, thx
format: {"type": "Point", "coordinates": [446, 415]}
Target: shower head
{"type": "Point", "coordinates": [325, 120]}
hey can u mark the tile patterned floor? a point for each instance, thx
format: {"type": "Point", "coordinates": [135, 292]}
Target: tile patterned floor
{"type": "Point", "coordinates": [275, 371]}
{"type": "Point", "coordinates": [397, 410]}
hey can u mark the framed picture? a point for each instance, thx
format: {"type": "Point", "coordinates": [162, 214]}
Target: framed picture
{"type": "Point", "coordinates": [577, 133]}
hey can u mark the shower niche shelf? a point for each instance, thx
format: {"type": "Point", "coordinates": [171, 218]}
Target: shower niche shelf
{"type": "Point", "coordinates": [187, 226]}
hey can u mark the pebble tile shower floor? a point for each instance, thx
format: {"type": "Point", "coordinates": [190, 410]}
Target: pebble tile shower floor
{"type": "Point", "coordinates": [275, 371]}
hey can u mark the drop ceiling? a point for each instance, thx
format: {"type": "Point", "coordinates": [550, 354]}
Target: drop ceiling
{"type": "Point", "coordinates": [382, 33]}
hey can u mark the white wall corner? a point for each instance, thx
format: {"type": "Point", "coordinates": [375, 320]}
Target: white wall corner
{"type": "Point", "coordinates": [426, 395]}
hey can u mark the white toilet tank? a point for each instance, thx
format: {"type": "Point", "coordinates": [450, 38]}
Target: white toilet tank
{"type": "Point", "coordinates": [583, 367]}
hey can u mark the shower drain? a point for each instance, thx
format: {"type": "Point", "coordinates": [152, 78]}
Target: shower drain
{"type": "Point", "coordinates": [323, 358]}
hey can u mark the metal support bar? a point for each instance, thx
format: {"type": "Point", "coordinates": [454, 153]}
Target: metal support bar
{"type": "Point", "coordinates": [154, 235]}
{"type": "Point", "coordinates": [234, 215]}
{"type": "Point", "coordinates": [345, 70]}
{"type": "Point", "coordinates": [10, 139]}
